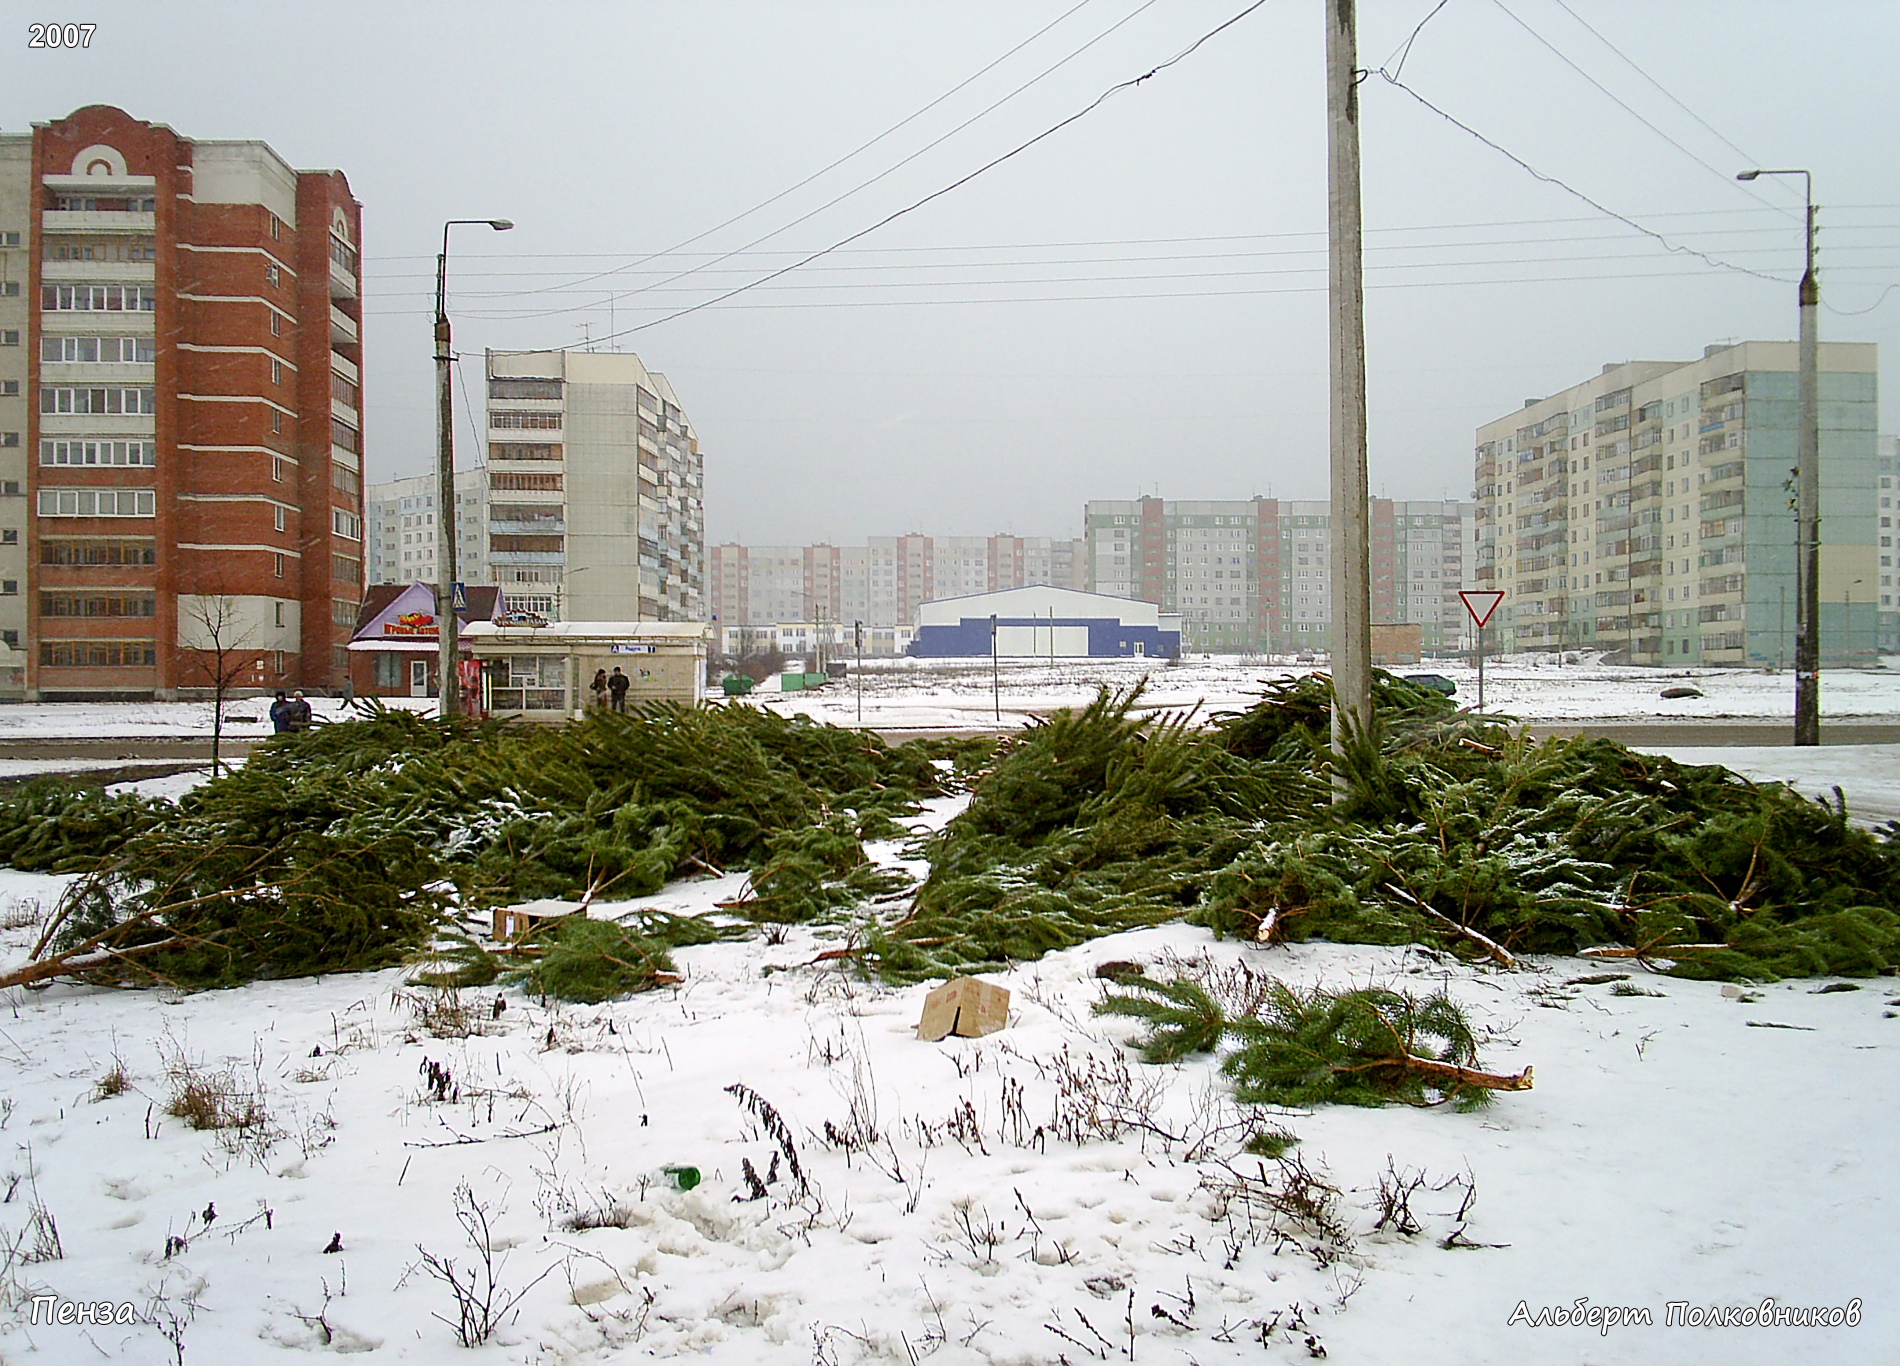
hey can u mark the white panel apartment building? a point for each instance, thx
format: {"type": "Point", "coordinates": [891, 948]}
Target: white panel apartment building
{"type": "Point", "coordinates": [880, 583]}
{"type": "Point", "coordinates": [401, 530]}
{"type": "Point", "coordinates": [595, 508]}
{"type": "Point", "coordinates": [1645, 511]}
{"type": "Point", "coordinates": [1255, 574]}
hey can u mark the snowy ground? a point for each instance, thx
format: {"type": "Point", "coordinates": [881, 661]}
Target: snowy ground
{"type": "Point", "coordinates": [947, 694]}
{"type": "Point", "coordinates": [956, 695]}
{"type": "Point", "coordinates": [1035, 1196]}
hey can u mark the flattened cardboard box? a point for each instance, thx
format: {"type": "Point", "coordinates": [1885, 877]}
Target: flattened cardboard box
{"type": "Point", "coordinates": [966, 1007]}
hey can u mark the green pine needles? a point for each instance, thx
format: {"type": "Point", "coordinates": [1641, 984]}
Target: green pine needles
{"type": "Point", "coordinates": [1364, 1046]}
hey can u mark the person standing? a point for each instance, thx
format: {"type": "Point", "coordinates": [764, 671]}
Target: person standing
{"type": "Point", "coordinates": [600, 688]}
{"type": "Point", "coordinates": [348, 698]}
{"type": "Point", "coordinates": [281, 716]}
{"type": "Point", "coordinates": [617, 684]}
{"type": "Point", "coordinates": [299, 713]}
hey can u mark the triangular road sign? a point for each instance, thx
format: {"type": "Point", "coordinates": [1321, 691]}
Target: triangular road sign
{"type": "Point", "coordinates": [1481, 602]}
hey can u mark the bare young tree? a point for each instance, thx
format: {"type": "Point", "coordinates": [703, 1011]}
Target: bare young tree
{"type": "Point", "coordinates": [212, 625]}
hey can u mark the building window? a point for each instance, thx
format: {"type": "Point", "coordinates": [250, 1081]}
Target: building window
{"type": "Point", "coordinates": [97, 298]}
{"type": "Point", "coordinates": [276, 371]}
{"type": "Point", "coordinates": [343, 612]}
{"type": "Point", "coordinates": [283, 517]}
{"type": "Point", "coordinates": [277, 468]}
{"type": "Point", "coordinates": [276, 423]}
{"type": "Point", "coordinates": [346, 524]}
{"type": "Point", "coordinates": [280, 663]}
{"type": "Point", "coordinates": [102, 350]}
{"type": "Point", "coordinates": [344, 391]}
{"type": "Point", "coordinates": [345, 436]}
{"type": "Point", "coordinates": [98, 654]}
{"type": "Point", "coordinates": [98, 551]}
{"type": "Point", "coordinates": [279, 566]}
{"type": "Point", "coordinates": [279, 606]}
{"type": "Point", "coordinates": [11, 536]}
{"type": "Point", "coordinates": [276, 323]}
{"type": "Point", "coordinates": [112, 604]}
{"type": "Point", "coordinates": [10, 337]}
{"type": "Point", "coordinates": [525, 483]}
{"type": "Point", "coordinates": [526, 421]}
{"type": "Point", "coordinates": [9, 588]}
{"type": "Point", "coordinates": [97, 502]}
{"type": "Point", "coordinates": [99, 452]}
{"type": "Point", "coordinates": [272, 273]}
{"type": "Point", "coordinates": [345, 569]}
{"type": "Point", "coordinates": [71, 399]}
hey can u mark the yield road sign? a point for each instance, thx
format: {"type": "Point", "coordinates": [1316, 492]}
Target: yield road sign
{"type": "Point", "coordinates": [1481, 602]}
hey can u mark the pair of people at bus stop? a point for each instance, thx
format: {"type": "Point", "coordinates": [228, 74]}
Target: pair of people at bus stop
{"type": "Point", "coordinates": [612, 686]}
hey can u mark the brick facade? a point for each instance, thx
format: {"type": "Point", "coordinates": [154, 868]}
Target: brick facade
{"type": "Point", "coordinates": [244, 275]}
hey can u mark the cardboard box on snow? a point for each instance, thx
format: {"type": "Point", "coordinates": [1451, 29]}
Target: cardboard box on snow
{"type": "Point", "coordinates": [964, 1006]}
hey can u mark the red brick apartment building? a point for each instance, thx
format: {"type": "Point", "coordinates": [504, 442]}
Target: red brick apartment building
{"type": "Point", "coordinates": [181, 429]}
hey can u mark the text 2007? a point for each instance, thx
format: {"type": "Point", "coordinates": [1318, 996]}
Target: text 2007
{"type": "Point", "coordinates": [60, 35]}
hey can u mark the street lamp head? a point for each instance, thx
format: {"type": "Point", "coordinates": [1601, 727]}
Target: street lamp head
{"type": "Point", "coordinates": [501, 224]}
{"type": "Point", "coordinates": [1747, 175]}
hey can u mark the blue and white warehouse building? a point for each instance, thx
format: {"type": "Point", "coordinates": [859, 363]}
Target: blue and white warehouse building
{"type": "Point", "coordinates": [1045, 622]}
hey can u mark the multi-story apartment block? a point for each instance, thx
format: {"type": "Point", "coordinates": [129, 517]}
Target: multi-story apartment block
{"type": "Point", "coordinates": [16, 376]}
{"type": "Point", "coordinates": [1256, 574]}
{"type": "Point", "coordinates": [880, 583]}
{"type": "Point", "coordinates": [1889, 477]}
{"type": "Point", "coordinates": [401, 529]}
{"type": "Point", "coordinates": [180, 412]}
{"type": "Point", "coordinates": [1647, 511]}
{"type": "Point", "coordinates": [595, 506]}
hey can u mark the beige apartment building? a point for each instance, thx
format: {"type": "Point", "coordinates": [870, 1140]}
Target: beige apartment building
{"type": "Point", "coordinates": [1646, 512]}
{"type": "Point", "coordinates": [594, 494]}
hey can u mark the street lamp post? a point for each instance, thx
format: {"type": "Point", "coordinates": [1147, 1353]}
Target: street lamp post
{"type": "Point", "coordinates": [1807, 607]}
{"type": "Point", "coordinates": [447, 626]}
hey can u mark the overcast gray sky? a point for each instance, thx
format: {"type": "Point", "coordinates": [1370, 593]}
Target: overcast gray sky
{"type": "Point", "coordinates": [1134, 305]}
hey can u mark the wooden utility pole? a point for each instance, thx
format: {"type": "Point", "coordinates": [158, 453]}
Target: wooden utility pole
{"type": "Point", "coordinates": [1346, 335]}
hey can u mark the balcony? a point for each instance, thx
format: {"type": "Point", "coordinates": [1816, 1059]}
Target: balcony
{"type": "Point", "coordinates": [343, 329]}
{"type": "Point", "coordinates": [526, 526]}
{"type": "Point", "coordinates": [112, 272]}
{"type": "Point", "coordinates": [342, 282]}
{"type": "Point", "coordinates": [96, 221]}
{"type": "Point", "coordinates": [504, 558]}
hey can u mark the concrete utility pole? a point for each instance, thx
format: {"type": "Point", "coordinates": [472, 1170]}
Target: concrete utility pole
{"type": "Point", "coordinates": [1807, 606]}
{"type": "Point", "coordinates": [1346, 335]}
{"type": "Point", "coordinates": [448, 628]}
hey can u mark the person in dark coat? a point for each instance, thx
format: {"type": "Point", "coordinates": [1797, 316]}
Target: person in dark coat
{"type": "Point", "coordinates": [617, 684]}
{"type": "Point", "coordinates": [299, 713]}
{"type": "Point", "coordinates": [282, 716]}
{"type": "Point", "coordinates": [600, 687]}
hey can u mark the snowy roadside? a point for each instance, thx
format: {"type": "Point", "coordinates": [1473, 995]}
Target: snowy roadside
{"type": "Point", "coordinates": [1033, 1196]}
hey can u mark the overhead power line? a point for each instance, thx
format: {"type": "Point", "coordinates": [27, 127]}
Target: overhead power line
{"type": "Point", "coordinates": [961, 181]}
{"type": "Point", "coordinates": [854, 152]}
{"type": "Point", "coordinates": [1726, 177]}
{"type": "Point", "coordinates": [862, 185]}
{"type": "Point", "coordinates": [1631, 63]}
{"type": "Point", "coordinates": [1571, 190]}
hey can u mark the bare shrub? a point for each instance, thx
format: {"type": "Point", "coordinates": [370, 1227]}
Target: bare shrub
{"type": "Point", "coordinates": [481, 1301]}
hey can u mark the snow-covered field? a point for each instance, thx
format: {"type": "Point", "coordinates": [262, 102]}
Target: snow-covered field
{"type": "Point", "coordinates": [1035, 1196]}
{"type": "Point", "coordinates": [957, 694]}
{"type": "Point", "coordinates": [961, 694]}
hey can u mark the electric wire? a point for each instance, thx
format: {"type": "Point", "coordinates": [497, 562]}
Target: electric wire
{"type": "Point", "coordinates": [1631, 63]}
{"type": "Point", "coordinates": [1571, 190]}
{"type": "Point", "coordinates": [1725, 177]}
{"type": "Point", "coordinates": [889, 170]}
{"type": "Point", "coordinates": [854, 152]}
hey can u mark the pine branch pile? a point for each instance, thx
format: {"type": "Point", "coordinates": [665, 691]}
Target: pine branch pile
{"type": "Point", "coordinates": [345, 848]}
{"type": "Point", "coordinates": [1458, 832]}
{"type": "Point", "coordinates": [1365, 1046]}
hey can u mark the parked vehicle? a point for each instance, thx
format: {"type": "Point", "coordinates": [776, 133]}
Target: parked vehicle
{"type": "Point", "coordinates": [1436, 682]}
